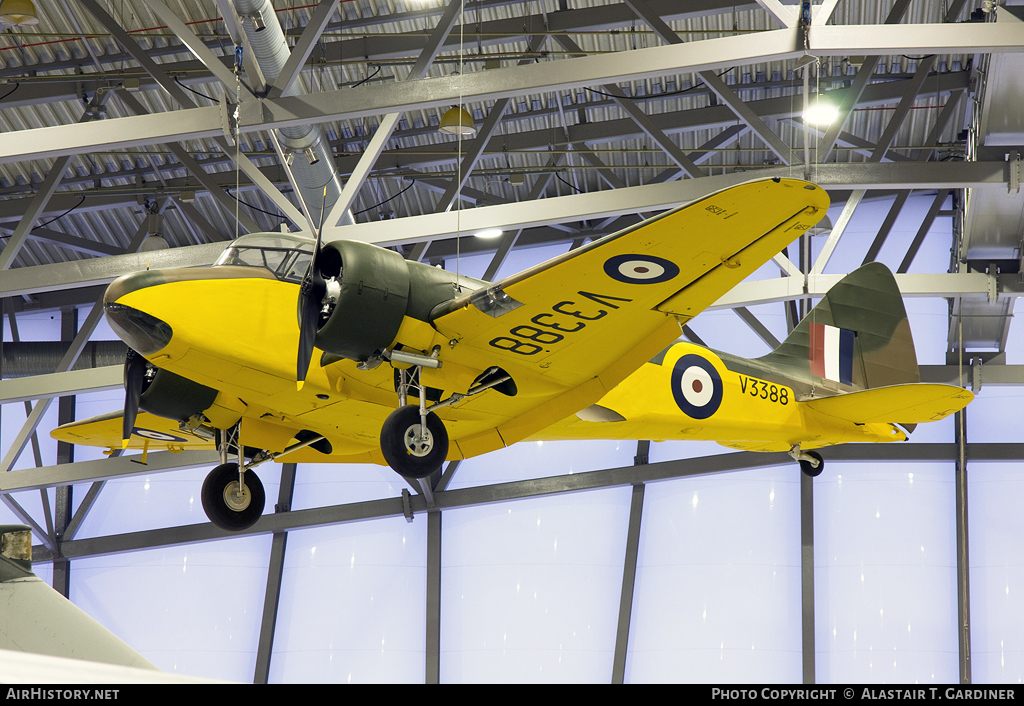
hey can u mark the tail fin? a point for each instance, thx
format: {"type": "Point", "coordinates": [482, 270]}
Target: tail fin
{"type": "Point", "coordinates": [856, 338]}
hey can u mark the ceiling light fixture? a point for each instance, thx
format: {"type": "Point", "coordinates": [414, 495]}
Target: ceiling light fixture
{"type": "Point", "coordinates": [20, 13]}
{"type": "Point", "coordinates": [488, 234]}
{"type": "Point", "coordinates": [457, 121]}
{"type": "Point", "coordinates": [821, 112]}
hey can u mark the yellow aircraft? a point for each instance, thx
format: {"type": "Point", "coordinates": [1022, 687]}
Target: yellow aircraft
{"type": "Point", "coordinates": [416, 365]}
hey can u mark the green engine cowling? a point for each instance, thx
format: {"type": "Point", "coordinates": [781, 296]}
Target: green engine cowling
{"type": "Point", "coordinates": [373, 290]}
{"type": "Point", "coordinates": [370, 300]}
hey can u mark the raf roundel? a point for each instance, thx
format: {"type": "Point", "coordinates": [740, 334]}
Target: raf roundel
{"type": "Point", "coordinates": [156, 435]}
{"type": "Point", "coordinates": [696, 386]}
{"type": "Point", "coordinates": [640, 269]}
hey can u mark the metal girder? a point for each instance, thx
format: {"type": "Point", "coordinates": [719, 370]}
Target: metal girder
{"type": "Point", "coordinates": [911, 285]}
{"type": "Point", "coordinates": [717, 85]}
{"type": "Point", "coordinates": [636, 508]}
{"type": "Point", "coordinates": [807, 577]}
{"type": "Point", "coordinates": [104, 469]}
{"type": "Point", "coordinates": [513, 216]}
{"type": "Point", "coordinates": [860, 82]}
{"type": "Point", "coordinates": [195, 45]}
{"type": "Point", "coordinates": [275, 574]}
{"type": "Point", "coordinates": [757, 327]}
{"type": "Point", "coordinates": [963, 564]}
{"type": "Point", "coordinates": [501, 492]}
{"type": "Point", "coordinates": [503, 83]}
{"type": "Point", "coordinates": [837, 231]}
{"type": "Point", "coordinates": [303, 47]}
{"type": "Point", "coordinates": [591, 133]}
{"type": "Point", "coordinates": [926, 225]}
{"type": "Point", "coordinates": [387, 125]}
{"type": "Point", "coordinates": [72, 382]}
{"type": "Point", "coordinates": [471, 155]}
{"type": "Point", "coordinates": [432, 647]}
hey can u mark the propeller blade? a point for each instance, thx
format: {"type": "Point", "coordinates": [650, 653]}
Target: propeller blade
{"type": "Point", "coordinates": [311, 294]}
{"type": "Point", "coordinates": [309, 314]}
{"type": "Point", "coordinates": [134, 379]}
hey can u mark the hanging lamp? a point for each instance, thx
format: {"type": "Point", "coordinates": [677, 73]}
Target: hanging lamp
{"type": "Point", "coordinates": [457, 121]}
{"type": "Point", "coordinates": [20, 13]}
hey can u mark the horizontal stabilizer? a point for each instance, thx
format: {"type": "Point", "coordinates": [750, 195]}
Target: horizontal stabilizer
{"type": "Point", "coordinates": [149, 431]}
{"type": "Point", "coordinates": [912, 403]}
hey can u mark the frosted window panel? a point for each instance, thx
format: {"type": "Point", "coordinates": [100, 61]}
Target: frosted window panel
{"type": "Point", "coordinates": [995, 496]}
{"type": "Point", "coordinates": [672, 450]}
{"type": "Point", "coordinates": [528, 460]}
{"type": "Point", "coordinates": [530, 589]}
{"type": "Point", "coordinates": [929, 324]}
{"type": "Point", "coordinates": [520, 259]}
{"type": "Point", "coordinates": [988, 419]}
{"type": "Point", "coordinates": [12, 420]}
{"type": "Point", "coordinates": [851, 248]}
{"type": "Point", "coordinates": [470, 265]}
{"type": "Point", "coordinates": [327, 484]}
{"type": "Point", "coordinates": [717, 596]}
{"type": "Point", "coordinates": [353, 604]}
{"type": "Point", "coordinates": [35, 326]}
{"type": "Point", "coordinates": [723, 330]}
{"type": "Point", "coordinates": [192, 609]}
{"type": "Point", "coordinates": [885, 573]}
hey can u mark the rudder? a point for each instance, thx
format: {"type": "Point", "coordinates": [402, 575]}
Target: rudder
{"type": "Point", "coordinates": [856, 338]}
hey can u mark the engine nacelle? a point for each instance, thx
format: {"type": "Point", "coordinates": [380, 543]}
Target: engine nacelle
{"type": "Point", "coordinates": [369, 289]}
{"type": "Point", "coordinates": [171, 396]}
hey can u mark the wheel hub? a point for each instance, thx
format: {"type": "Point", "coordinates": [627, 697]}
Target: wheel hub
{"type": "Point", "coordinates": [418, 440]}
{"type": "Point", "coordinates": [235, 499]}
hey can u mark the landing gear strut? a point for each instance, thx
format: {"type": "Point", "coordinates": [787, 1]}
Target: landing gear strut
{"type": "Point", "coordinates": [811, 462]}
{"type": "Point", "coordinates": [413, 440]}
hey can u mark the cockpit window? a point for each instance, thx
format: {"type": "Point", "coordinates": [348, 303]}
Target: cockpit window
{"type": "Point", "coordinates": [286, 257]}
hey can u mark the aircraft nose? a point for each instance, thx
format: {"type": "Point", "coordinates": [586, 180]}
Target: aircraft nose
{"type": "Point", "coordinates": [141, 331]}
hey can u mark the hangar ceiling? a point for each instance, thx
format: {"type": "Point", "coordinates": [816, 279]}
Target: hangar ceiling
{"type": "Point", "coordinates": [121, 121]}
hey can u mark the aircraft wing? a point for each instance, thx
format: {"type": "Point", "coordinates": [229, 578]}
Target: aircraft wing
{"type": "Point", "coordinates": [570, 329]}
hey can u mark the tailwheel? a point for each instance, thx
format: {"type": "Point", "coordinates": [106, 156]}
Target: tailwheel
{"type": "Point", "coordinates": [812, 468]}
{"type": "Point", "coordinates": [412, 449]}
{"type": "Point", "coordinates": [229, 504]}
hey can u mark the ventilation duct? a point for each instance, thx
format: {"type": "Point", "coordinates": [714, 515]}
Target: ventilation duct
{"type": "Point", "coordinates": [314, 166]}
{"type": "Point", "coordinates": [42, 357]}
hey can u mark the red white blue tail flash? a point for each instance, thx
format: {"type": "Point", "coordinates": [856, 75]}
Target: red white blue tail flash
{"type": "Point", "coordinates": [832, 353]}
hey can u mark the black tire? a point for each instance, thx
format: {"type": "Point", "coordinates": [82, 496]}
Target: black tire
{"type": "Point", "coordinates": [216, 507]}
{"type": "Point", "coordinates": [808, 468]}
{"type": "Point", "coordinates": [404, 460]}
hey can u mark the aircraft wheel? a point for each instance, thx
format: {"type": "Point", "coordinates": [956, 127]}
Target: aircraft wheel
{"type": "Point", "coordinates": [407, 450]}
{"type": "Point", "coordinates": [808, 468]}
{"type": "Point", "coordinates": [225, 506]}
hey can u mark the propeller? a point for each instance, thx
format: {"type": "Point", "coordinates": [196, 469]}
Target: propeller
{"type": "Point", "coordinates": [311, 294]}
{"type": "Point", "coordinates": [134, 380]}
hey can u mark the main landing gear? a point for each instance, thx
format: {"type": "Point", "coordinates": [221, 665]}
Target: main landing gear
{"type": "Point", "coordinates": [233, 500]}
{"type": "Point", "coordinates": [413, 440]}
{"type": "Point", "coordinates": [811, 462]}
{"type": "Point", "coordinates": [233, 495]}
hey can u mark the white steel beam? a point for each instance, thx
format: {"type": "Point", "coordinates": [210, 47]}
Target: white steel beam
{"type": "Point", "coordinates": [72, 382]}
{"type": "Point", "coordinates": [195, 44]}
{"type": "Point", "coordinates": [512, 216]}
{"type": "Point", "coordinates": [503, 83]}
